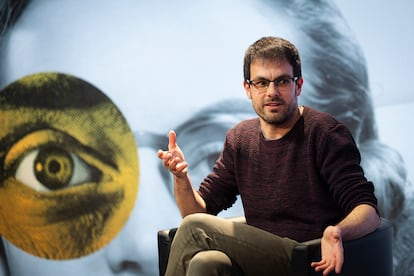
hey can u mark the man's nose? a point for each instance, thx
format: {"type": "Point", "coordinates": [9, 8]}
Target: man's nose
{"type": "Point", "coordinates": [272, 90]}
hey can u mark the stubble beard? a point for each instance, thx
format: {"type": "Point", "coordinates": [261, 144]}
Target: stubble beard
{"type": "Point", "coordinates": [277, 118]}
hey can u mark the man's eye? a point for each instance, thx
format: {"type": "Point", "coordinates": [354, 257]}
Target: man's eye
{"type": "Point", "coordinates": [53, 168]}
{"type": "Point", "coordinates": [262, 83]}
{"type": "Point", "coordinates": [283, 82]}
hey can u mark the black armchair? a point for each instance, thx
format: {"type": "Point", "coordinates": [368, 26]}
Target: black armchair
{"type": "Point", "coordinates": [367, 256]}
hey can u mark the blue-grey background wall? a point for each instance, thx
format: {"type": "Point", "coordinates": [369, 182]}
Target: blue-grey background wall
{"type": "Point", "coordinates": [384, 31]}
{"type": "Point", "coordinates": [162, 62]}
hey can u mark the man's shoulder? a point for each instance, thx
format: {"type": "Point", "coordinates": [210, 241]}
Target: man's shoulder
{"type": "Point", "coordinates": [318, 122]}
{"type": "Point", "coordinates": [311, 112]}
{"type": "Point", "coordinates": [243, 128]}
{"type": "Point", "coordinates": [315, 117]}
{"type": "Point", "coordinates": [246, 125]}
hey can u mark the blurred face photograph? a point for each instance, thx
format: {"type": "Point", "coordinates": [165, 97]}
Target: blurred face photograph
{"type": "Point", "coordinates": [145, 61]}
{"type": "Point", "coordinates": [143, 68]}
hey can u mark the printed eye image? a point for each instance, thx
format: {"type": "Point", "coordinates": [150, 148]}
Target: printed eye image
{"type": "Point", "coordinates": [53, 168]}
{"type": "Point", "coordinates": [69, 166]}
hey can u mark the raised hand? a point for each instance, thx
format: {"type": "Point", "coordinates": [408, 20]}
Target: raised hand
{"type": "Point", "coordinates": [173, 159]}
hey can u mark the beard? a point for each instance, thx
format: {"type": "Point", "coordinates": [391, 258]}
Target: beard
{"type": "Point", "coordinates": [274, 118]}
{"type": "Point", "coordinates": [279, 117]}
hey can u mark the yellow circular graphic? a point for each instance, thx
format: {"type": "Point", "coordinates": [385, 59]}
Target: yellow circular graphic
{"type": "Point", "coordinates": [69, 166]}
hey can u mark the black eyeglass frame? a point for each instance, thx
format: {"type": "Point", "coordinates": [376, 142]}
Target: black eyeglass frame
{"type": "Point", "coordinates": [275, 81]}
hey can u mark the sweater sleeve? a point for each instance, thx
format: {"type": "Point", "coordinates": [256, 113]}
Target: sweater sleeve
{"type": "Point", "coordinates": [339, 160]}
{"type": "Point", "coordinates": [219, 189]}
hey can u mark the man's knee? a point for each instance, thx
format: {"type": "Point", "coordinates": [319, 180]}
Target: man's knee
{"type": "Point", "coordinates": [210, 262]}
{"type": "Point", "coordinates": [195, 221]}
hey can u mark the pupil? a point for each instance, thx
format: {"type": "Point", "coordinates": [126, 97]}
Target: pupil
{"type": "Point", "coordinates": [54, 166]}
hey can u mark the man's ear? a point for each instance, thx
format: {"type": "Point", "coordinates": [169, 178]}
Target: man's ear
{"type": "Point", "coordinates": [299, 84]}
{"type": "Point", "coordinates": [247, 89]}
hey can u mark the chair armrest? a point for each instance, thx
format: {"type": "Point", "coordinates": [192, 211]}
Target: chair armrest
{"type": "Point", "coordinates": [369, 255]}
{"type": "Point", "coordinates": [303, 254]}
{"type": "Point", "coordinates": [372, 254]}
{"type": "Point", "coordinates": [165, 238]}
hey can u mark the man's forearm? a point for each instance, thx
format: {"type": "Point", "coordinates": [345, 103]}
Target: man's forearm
{"type": "Point", "coordinates": [362, 220]}
{"type": "Point", "coordinates": [187, 198]}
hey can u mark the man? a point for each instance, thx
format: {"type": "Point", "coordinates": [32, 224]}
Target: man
{"type": "Point", "coordinates": [296, 169]}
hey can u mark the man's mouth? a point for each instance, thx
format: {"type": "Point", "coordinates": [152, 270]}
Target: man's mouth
{"type": "Point", "coordinates": [273, 104]}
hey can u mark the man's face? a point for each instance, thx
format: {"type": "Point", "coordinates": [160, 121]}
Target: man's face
{"type": "Point", "coordinates": [159, 62]}
{"type": "Point", "coordinates": [276, 104]}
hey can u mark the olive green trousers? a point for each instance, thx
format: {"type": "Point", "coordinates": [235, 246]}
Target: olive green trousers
{"type": "Point", "coordinates": [210, 245]}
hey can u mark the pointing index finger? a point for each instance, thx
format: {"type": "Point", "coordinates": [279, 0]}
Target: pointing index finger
{"type": "Point", "coordinates": [172, 140]}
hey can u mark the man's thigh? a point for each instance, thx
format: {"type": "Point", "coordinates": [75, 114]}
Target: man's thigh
{"type": "Point", "coordinates": [256, 251]}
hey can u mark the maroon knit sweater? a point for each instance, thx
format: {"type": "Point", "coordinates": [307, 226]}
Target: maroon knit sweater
{"type": "Point", "coordinates": [294, 186]}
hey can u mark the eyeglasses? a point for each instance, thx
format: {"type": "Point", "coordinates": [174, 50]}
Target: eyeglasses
{"type": "Point", "coordinates": [282, 83]}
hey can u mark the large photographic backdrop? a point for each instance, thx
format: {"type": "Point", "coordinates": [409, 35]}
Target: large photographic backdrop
{"type": "Point", "coordinates": [383, 30]}
{"type": "Point", "coordinates": [152, 66]}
